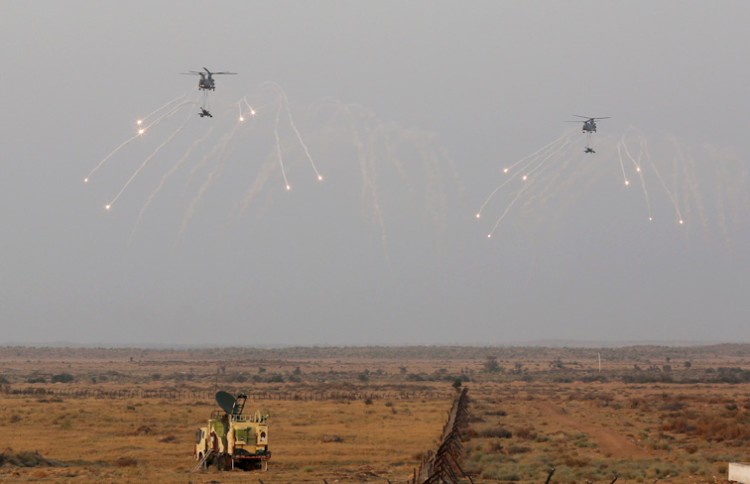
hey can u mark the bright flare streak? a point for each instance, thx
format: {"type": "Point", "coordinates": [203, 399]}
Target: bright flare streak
{"type": "Point", "coordinates": [539, 151]}
{"type": "Point", "coordinates": [178, 98]}
{"type": "Point", "coordinates": [299, 136]}
{"type": "Point", "coordinates": [507, 209]}
{"type": "Point", "coordinates": [278, 148]}
{"type": "Point", "coordinates": [149, 158]}
{"type": "Point", "coordinates": [252, 110]}
{"type": "Point", "coordinates": [139, 122]}
{"type": "Point", "coordinates": [535, 167]}
{"type": "Point", "coordinates": [622, 146]}
{"type": "Point", "coordinates": [543, 172]}
{"type": "Point", "coordinates": [489, 236]}
{"type": "Point", "coordinates": [86, 180]}
{"type": "Point", "coordinates": [546, 151]}
{"type": "Point", "coordinates": [661, 181]}
{"type": "Point", "coordinates": [681, 222]}
{"type": "Point", "coordinates": [320, 177]}
{"type": "Point", "coordinates": [107, 206]}
{"type": "Point", "coordinates": [140, 132]}
{"type": "Point", "coordinates": [479, 215]}
{"type": "Point", "coordinates": [166, 115]}
{"type": "Point", "coordinates": [627, 183]}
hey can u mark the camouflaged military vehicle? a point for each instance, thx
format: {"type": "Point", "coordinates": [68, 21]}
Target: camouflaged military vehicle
{"type": "Point", "coordinates": [231, 439]}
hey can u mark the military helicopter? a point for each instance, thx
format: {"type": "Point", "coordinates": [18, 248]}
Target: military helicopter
{"type": "Point", "coordinates": [589, 126]}
{"type": "Point", "coordinates": [206, 82]}
{"type": "Point", "coordinates": [204, 112]}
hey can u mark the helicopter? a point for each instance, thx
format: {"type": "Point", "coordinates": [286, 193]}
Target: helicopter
{"type": "Point", "coordinates": [206, 82]}
{"type": "Point", "coordinates": [204, 112]}
{"type": "Point", "coordinates": [589, 126]}
{"type": "Point", "coordinates": [589, 150]}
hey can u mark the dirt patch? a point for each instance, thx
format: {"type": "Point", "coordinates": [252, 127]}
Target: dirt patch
{"type": "Point", "coordinates": [608, 440]}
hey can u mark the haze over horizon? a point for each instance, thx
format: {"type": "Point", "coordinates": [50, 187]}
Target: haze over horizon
{"type": "Point", "coordinates": [410, 111]}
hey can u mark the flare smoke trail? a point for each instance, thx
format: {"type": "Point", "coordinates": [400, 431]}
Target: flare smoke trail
{"type": "Point", "coordinates": [666, 188]}
{"type": "Point", "coordinates": [530, 169]}
{"type": "Point", "coordinates": [177, 99]}
{"type": "Point", "coordinates": [104, 160]}
{"type": "Point", "coordinates": [380, 151]}
{"type": "Point", "coordinates": [223, 140]}
{"type": "Point", "coordinates": [167, 175]}
{"type": "Point", "coordinates": [284, 101]}
{"type": "Point", "coordinates": [528, 159]}
{"type": "Point", "coordinates": [278, 149]}
{"type": "Point", "coordinates": [141, 131]}
{"type": "Point", "coordinates": [222, 147]}
{"type": "Point", "coordinates": [688, 193]}
{"type": "Point", "coordinates": [147, 160]}
{"type": "Point", "coordinates": [622, 147]}
{"type": "Point", "coordinates": [166, 115]}
{"type": "Point", "coordinates": [507, 209]}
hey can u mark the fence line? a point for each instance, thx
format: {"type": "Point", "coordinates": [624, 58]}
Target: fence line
{"type": "Point", "coordinates": [208, 396]}
{"type": "Point", "coordinates": [443, 465]}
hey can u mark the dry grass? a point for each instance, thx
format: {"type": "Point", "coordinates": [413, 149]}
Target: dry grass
{"type": "Point", "coordinates": [369, 414]}
{"type": "Point", "coordinates": [594, 432]}
{"type": "Point", "coordinates": [106, 440]}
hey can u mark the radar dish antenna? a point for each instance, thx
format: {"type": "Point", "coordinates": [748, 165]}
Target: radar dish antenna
{"type": "Point", "coordinates": [226, 401]}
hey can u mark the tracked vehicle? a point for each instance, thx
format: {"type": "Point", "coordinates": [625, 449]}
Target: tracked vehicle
{"type": "Point", "coordinates": [231, 439]}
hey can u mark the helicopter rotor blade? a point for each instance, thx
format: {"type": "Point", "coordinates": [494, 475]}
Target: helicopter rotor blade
{"type": "Point", "coordinates": [584, 117]}
{"type": "Point", "coordinates": [215, 73]}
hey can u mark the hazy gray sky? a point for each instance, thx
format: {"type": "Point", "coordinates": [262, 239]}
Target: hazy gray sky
{"type": "Point", "coordinates": [410, 110]}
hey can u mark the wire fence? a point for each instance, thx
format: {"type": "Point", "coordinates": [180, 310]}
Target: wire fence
{"type": "Point", "coordinates": [443, 465]}
{"type": "Point", "coordinates": [437, 467]}
{"type": "Point", "coordinates": [208, 396]}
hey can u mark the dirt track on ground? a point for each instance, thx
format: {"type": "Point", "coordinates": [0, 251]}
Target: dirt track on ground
{"type": "Point", "coordinates": [609, 440]}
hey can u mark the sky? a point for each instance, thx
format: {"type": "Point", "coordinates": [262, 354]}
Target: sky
{"type": "Point", "coordinates": [408, 111]}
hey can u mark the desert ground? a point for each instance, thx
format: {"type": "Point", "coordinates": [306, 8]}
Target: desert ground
{"type": "Point", "coordinates": [637, 414]}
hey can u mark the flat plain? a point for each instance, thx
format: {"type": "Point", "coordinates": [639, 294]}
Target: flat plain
{"type": "Point", "coordinates": [370, 414]}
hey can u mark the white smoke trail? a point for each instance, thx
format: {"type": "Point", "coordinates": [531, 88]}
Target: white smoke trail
{"type": "Point", "coordinates": [299, 136]}
{"type": "Point", "coordinates": [167, 175]}
{"type": "Point", "coordinates": [278, 148]}
{"type": "Point", "coordinates": [104, 160]}
{"type": "Point", "coordinates": [146, 161]}
{"type": "Point", "coordinates": [221, 147]}
{"type": "Point", "coordinates": [622, 146]}
{"type": "Point", "coordinates": [178, 98]}
{"type": "Point", "coordinates": [527, 160]}
{"type": "Point", "coordinates": [676, 207]}
{"type": "Point", "coordinates": [507, 210]}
